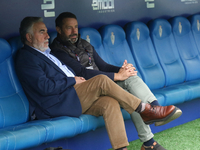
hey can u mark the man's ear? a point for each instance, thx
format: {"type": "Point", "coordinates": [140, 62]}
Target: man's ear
{"type": "Point", "coordinates": [58, 29]}
{"type": "Point", "coordinates": [29, 37]}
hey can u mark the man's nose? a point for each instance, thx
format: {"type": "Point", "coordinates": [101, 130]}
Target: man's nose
{"type": "Point", "coordinates": [74, 30]}
{"type": "Point", "coordinates": [47, 36]}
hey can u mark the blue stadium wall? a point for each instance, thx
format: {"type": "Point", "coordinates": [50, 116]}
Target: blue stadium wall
{"type": "Point", "coordinates": [91, 13]}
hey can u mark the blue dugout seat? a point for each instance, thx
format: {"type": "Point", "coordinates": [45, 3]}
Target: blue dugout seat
{"type": "Point", "coordinates": [13, 100]}
{"type": "Point", "coordinates": [14, 106]}
{"type": "Point", "coordinates": [137, 34]}
{"type": "Point", "coordinates": [92, 36]}
{"type": "Point", "coordinates": [166, 49]}
{"type": "Point", "coordinates": [186, 45]}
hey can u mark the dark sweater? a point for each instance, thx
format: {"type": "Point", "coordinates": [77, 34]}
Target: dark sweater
{"type": "Point", "coordinates": [61, 51]}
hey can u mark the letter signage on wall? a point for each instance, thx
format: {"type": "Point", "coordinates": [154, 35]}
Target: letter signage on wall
{"type": "Point", "coordinates": [103, 6]}
{"type": "Point", "coordinates": [190, 1]}
{"type": "Point", "coordinates": [47, 7]}
{"type": "Point", "coordinates": [150, 3]}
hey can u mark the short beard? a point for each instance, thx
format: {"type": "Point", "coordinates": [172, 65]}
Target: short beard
{"type": "Point", "coordinates": [73, 41]}
{"type": "Point", "coordinates": [41, 48]}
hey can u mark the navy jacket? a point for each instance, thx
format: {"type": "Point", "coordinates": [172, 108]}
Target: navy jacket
{"type": "Point", "coordinates": [49, 91]}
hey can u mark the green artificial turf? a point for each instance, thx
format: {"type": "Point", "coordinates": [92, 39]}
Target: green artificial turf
{"type": "Point", "coordinates": [182, 137]}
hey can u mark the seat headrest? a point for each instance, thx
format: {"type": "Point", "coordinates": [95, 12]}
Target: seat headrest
{"type": "Point", "coordinates": [195, 23]}
{"type": "Point", "coordinates": [160, 28]}
{"type": "Point", "coordinates": [138, 31]}
{"type": "Point", "coordinates": [91, 35]}
{"type": "Point", "coordinates": [52, 36]}
{"type": "Point", "coordinates": [180, 25]}
{"type": "Point", "coordinates": [5, 50]}
{"type": "Point", "coordinates": [108, 32]}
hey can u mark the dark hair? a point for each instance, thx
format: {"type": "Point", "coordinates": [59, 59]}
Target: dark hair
{"type": "Point", "coordinates": [62, 16]}
{"type": "Point", "coordinates": [26, 25]}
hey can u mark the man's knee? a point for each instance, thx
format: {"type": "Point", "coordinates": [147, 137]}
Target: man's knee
{"type": "Point", "coordinates": [102, 76]}
{"type": "Point", "coordinates": [133, 78]}
{"type": "Point", "coordinates": [102, 79]}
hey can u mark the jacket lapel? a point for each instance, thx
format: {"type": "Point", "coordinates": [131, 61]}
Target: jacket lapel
{"type": "Point", "coordinates": [47, 60]}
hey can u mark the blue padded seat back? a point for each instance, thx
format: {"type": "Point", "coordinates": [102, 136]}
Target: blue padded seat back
{"type": "Point", "coordinates": [195, 27]}
{"type": "Point", "coordinates": [92, 36]}
{"type": "Point", "coordinates": [14, 106]}
{"type": "Point", "coordinates": [52, 36]}
{"type": "Point", "coordinates": [116, 46]}
{"type": "Point", "coordinates": [16, 44]}
{"type": "Point", "coordinates": [186, 45]}
{"type": "Point", "coordinates": [141, 46]}
{"type": "Point", "coordinates": [167, 52]}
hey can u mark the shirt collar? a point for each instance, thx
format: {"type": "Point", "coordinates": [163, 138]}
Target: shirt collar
{"type": "Point", "coordinates": [46, 52]}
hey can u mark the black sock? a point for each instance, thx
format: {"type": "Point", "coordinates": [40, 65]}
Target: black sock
{"type": "Point", "coordinates": [141, 107]}
{"type": "Point", "coordinates": [155, 103]}
{"type": "Point", "coordinates": [149, 142]}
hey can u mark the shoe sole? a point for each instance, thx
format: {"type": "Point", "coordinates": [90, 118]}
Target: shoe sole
{"type": "Point", "coordinates": [174, 115]}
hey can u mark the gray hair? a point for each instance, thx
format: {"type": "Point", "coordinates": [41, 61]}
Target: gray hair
{"type": "Point", "coordinates": [26, 26]}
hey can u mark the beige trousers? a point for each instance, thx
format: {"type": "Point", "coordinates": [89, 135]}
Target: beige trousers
{"type": "Point", "coordinates": [100, 96]}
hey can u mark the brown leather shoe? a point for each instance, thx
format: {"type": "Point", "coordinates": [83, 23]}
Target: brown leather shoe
{"type": "Point", "coordinates": [161, 114]}
{"type": "Point", "coordinates": [177, 113]}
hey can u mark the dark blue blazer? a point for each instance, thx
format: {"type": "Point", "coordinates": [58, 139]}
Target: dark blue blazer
{"type": "Point", "coordinates": [49, 91]}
